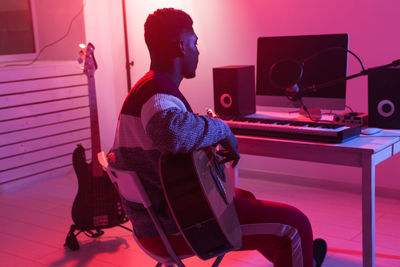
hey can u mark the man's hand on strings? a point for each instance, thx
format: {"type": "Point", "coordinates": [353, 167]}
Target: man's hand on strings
{"type": "Point", "coordinates": [229, 152]}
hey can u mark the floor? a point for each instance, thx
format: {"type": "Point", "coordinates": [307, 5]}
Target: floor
{"type": "Point", "coordinates": [35, 220]}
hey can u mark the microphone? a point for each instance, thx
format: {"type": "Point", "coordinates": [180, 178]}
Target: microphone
{"type": "Point", "coordinates": [287, 74]}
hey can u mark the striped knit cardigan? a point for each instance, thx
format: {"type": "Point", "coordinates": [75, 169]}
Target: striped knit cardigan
{"type": "Point", "coordinates": [155, 118]}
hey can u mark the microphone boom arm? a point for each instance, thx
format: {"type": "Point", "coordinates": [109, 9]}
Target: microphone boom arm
{"type": "Point", "coordinates": [314, 88]}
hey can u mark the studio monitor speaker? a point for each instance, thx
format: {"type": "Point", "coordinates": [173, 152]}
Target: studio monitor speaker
{"type": "Point", "coordinates": [234, 90]}
{"type": "Point", "coordinates": [384, 99]}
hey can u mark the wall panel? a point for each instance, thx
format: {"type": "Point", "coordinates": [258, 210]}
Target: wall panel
{"type": "Point", "coordinates": [44, 114]}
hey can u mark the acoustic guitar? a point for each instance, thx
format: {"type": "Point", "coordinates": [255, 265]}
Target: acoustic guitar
{"type": "Point", "coordinates": [97, 204]}
{"type": "Point", "coordinates": [199, 192]}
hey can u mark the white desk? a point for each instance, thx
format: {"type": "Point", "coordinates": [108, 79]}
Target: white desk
{"type": "Point", "coordinates": [364, 152]}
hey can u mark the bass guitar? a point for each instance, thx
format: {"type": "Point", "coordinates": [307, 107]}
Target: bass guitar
{"type": "Point", "coordinates": [97, 204]}
{"type": "Point", "coordinates": [199, 193]}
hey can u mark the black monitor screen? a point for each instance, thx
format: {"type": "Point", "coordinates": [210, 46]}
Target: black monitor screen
{"type": "Point", "coordinates": [325, 59]}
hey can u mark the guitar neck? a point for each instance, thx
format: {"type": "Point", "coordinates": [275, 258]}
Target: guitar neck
{"type": "Point", "coordinates": [94, 126]}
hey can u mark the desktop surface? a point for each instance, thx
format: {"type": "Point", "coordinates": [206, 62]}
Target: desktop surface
{"type": "Point", "coordinates": [364, 152]}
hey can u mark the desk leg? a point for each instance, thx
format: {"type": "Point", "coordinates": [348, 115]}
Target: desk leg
{"type": "Point", "coordinates": [234, 173]}
{"type": "Point", "coordinates": [368, 210]}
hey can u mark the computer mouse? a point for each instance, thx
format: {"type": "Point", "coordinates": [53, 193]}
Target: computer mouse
{"type": "Point", "coordinates": [371, 130]}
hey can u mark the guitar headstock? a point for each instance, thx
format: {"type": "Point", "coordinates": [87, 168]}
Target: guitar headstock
{"type": "Point", "coordinates": [90, 65]}
{"type": "Point", "coordinates": [211, 113]}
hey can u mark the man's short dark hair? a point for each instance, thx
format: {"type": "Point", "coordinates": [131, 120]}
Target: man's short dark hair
{"type": "Point", "coordinates": [165, 26]}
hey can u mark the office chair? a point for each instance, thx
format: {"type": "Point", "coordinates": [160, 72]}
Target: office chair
{"type": "Point", "coordinates": [130, 187]}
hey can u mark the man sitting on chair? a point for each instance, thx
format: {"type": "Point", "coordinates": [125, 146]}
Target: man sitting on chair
{"type": "Point", "coordinates": [156, 118]}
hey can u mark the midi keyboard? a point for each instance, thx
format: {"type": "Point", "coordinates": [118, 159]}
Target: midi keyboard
{"type": "Point", "coordinates": [291, 129]}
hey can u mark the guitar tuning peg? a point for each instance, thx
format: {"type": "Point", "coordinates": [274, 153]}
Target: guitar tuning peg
{"type": "Point", "coordinates": [211, 113]}
{"type": "Point", "coordinates": [81, 56]}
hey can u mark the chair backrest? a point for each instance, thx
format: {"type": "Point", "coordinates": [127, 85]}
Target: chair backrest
{"type": "Point", "coordinates": [127, 182]}
{"type": "Point", "coordinates": [131, 188]}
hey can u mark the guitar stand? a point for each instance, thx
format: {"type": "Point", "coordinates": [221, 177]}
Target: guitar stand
{"type": "Point", "coordinates": [72, 242]}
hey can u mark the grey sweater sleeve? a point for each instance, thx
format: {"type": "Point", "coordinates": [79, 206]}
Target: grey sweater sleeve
{"type": "Point", "coordinates": [172, 128]}
{"type": "Point", "coordinates": [182, 131]}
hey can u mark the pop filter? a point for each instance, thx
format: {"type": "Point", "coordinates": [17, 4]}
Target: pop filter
{"type": "Point", "coordinates": [287, 74]}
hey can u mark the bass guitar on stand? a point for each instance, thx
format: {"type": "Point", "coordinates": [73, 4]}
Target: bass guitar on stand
{"type": "Point", "coordinates": [97, 204]}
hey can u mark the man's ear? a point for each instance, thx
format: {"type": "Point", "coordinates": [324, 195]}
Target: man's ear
{"type": "Point", "coordinates": [181, 48]}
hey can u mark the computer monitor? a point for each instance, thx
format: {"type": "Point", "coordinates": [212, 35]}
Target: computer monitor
{"type": "Point", "coordinates": [325, 59]}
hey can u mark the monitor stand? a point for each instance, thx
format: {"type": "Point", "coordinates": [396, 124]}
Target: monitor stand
{"type": "Point", "coordinates": [315, 113]}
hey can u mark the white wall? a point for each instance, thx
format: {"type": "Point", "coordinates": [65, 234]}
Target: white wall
{"type": "Point", "coordinates": [104, 28]}
{"type": "Point", "coordinates": [228, 30]}
{"type": "Point", "coordinates": [53, 20]}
